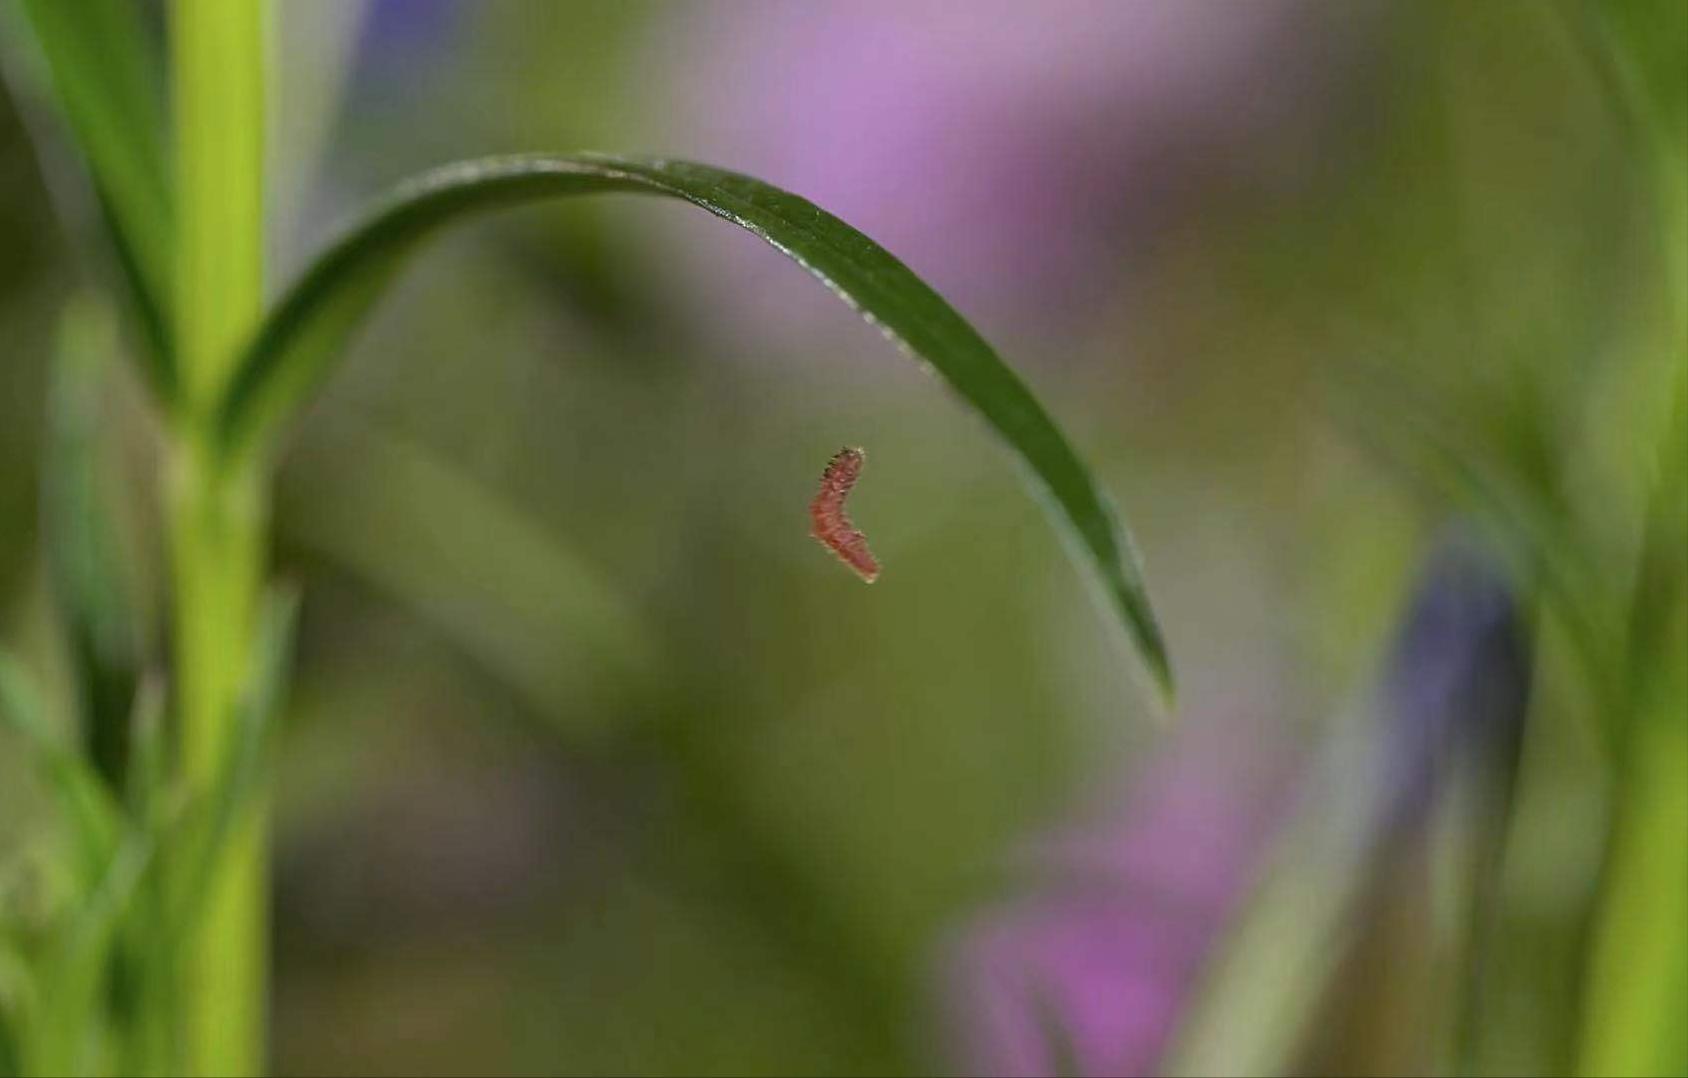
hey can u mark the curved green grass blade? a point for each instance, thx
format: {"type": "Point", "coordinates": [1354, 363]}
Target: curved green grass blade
{"type": "Point", "coordinates": [105, 74]}
{"type": "Point", "coordinates": [302, 336]}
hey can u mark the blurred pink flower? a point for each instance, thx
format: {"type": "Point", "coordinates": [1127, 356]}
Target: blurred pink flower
{"type": "Point", "coordinates": [1018, 154]}
{"type": "Point", "coordinates": [1103, 958]}
{"type": "Point", "coordinates": [1094, 969]}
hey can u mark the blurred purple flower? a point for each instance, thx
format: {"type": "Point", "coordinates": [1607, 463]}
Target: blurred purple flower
{"type": "Point", "coordinates": [1019, 154]}
{"type": "Point", "coordinates": [392, 29]}
{"type": "Point", "coordinates": [1105, 959]}
{"type": "Point", "coordinates": [1094, 970]}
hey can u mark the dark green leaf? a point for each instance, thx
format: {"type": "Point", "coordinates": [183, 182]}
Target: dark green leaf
{"type": "Point", "coordinates": [83, 547]}
{"type": "Point", "coordinates": [297, 344]}
{"type": "Point", "coordinates": [1660, 572]}
{"type": "Point", "coordinates": [105, 74]}
{"type": "Point", "coordinates": [147, 775]}
{"type": "Point", "coordinates": [16, 991]}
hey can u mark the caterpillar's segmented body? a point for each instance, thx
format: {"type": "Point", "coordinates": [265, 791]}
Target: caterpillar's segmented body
{"type": "Point", "coordinates": [826, 514]}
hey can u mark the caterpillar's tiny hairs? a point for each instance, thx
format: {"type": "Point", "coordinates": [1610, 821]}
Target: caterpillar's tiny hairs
{"type": "Point", "coordinates": [827, 521]}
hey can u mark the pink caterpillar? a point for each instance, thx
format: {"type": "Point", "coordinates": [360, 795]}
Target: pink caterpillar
{"type": "Point", "coordinates": [826, 514]}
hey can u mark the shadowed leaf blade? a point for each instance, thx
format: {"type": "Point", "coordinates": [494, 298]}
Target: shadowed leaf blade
{"type": "Point", "coordinates": [85, 547]}
{"type": "Point", "coordinates": [105, 75]}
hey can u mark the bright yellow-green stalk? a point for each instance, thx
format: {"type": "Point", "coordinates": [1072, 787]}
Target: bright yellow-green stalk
{"type": "Point", "coordinates": [217, 510]}
{"type": "Point", "coordinates": [1639, 970]}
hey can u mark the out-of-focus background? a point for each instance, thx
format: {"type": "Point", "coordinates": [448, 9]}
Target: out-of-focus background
{"type": "Point", "coordinates": [596, 763]}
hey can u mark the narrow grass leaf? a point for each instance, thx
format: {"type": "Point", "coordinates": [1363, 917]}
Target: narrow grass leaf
{"type": "Point", "coordinates": [106, 76]}
{"type": "Point", "coordinates": [17, 990]}
{"type": "Point", "coordinates": [147, 779]}
{"type": "Point", "coordinates": [84, 549]}
{"type": "Point", "coordinates": [148, 960]}
{"type": "Point", "coordinates": [296, 346]}
{"type": "Point", "coordinates": [1638, 951]}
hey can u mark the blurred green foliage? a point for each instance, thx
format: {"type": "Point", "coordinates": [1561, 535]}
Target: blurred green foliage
{"type": "Point", "coordinates": [595, 765]}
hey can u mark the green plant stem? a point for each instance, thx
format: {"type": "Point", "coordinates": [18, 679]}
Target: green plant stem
{"type": "Point", "coordinates": [217, 551]}
{"type": "Point", "coordinates": [217, 511]}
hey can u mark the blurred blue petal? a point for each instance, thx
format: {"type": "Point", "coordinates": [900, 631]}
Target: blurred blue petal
{"type": "Point", "coordinates": [1458, 681]}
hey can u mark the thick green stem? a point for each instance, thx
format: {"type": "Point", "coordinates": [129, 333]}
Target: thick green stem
{"type": "Point", "coordinates": [217, 526]}
{"type": "Point", "coordinates": [217, 510]}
